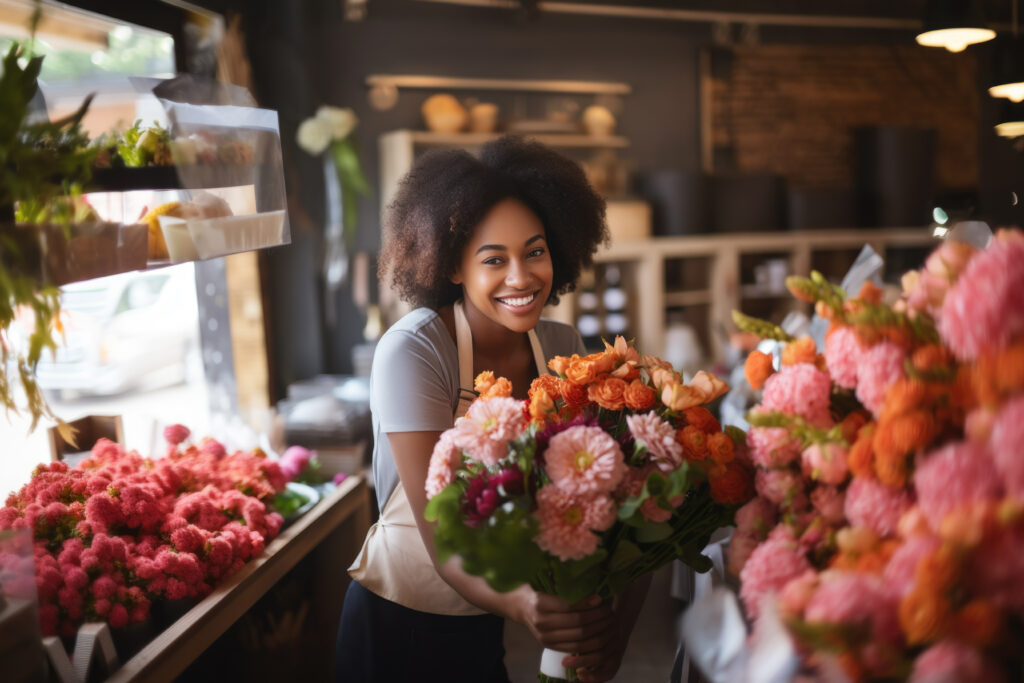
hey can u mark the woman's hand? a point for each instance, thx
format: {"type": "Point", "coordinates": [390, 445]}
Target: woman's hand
{"type": "Point", "coordinates": [600, 666]}
{"type": "Point", "coordinates": [583, 628]}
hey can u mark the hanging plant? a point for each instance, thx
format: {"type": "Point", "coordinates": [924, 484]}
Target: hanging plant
{"type": "Point", "coordinates": [42, 165]}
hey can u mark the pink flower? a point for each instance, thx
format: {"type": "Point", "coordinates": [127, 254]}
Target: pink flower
{"type": "Point", "coordinates": [829, 502]}
{"type": "Point", "coordinates": [899, 572]}
{"type": "Point", "coordinates": [879, 367]}
{"type": "Point", "coordinates": [585, 460]}
{"type": "Point", "coordinates": [176, 434]}
{"type": "Point", "coordinates": [874, 505]}
{"type": "Point", "coordinates": [797, 593]}
{"type": "Point", "coordinates": [784, 487]}
{"type": "Point", "coordinates": [568, 522]}
{"type": "Point", "coordinates": [339, 477]}
{"type": "Point", "coordinates": [487, 428]}
{"type": "Point", "coordinates": [825, 462]}
{"type": "Point", "coordinates": [954, 475]}
{"type": "Point", "coordinates": [741, 546]}
{"type": "Point", "coordinates": [799, 389]}
{"type": "Point", "coordinates": [447, 456]}
{"type": "Point", "coordinates": [950, 661]}
{"type": "Point", "coordinates": [770, 567]}
{"type": "Point", "coordinates": [659, 438]}
{"type": "Point", "coordinates": [842, 356]}
{"type": "Point", "coordinates": [633, 485]}
{"type": "Point", "coordinates": [996, 568]}
{"type": "Point", "coordinates": [757, 517]}
{"type": "Point", "coordinates": [1005, 445]}
{"type": "Point", "coordinates": [772, 446]}
{"type": "Point", "coordinates": [984, 310]}
{"type": "Point", "coordinates": [855, 598]}
{"type": "Point", "coordinates": [295, 460]}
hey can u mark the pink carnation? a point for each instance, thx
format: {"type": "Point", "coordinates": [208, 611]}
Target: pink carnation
{"type": "Point", "coordinates": [880, 366]}
{"type": "Point", "coordinates": [443, 462]}
{"type": "Point", "coordinates": [855, 598]}
{"type": "Point", "coordinates": [800, 389]}
{"type": "Point", "coordinates": [487, 428]}
{"type": "Point", "coordinates": [784, 487]}
{"type": "Point", "coordinates": [996, 569]}
{"type": "Point", "coordinates": [984, 309]}
{"type": "Point", "coordinates": [741, 546]}
{"type": "Point", "coordinates": [797, 593]}
{"type": "Point", "coordinates": [176, 434]}
{"type": "Point", "coordinates": [830, 503]}
{"type": "Point", "coordinates": [659, 438]}
{"type": "Point", "coordinates": [770, 567]}
{"type": "Point", "coordinates": [874, 505]}
{"type": "Point", "coordinates": [772, 446]}
{"type": "Point", "coordinates": [950, 661]}
{"type": "Point", "coordinates": [954, 475]}
{"type": "Point", "coordinates": [899, 572]}
{"type": "Point", "coordinates": [568, 522]}
{"type": "Point", "coordinates": [1005, 445]}
{"type": "Point", "coordinates": [585, 460]}
{"type": "Point", "coordinates": [842, 356]}
{"type": "Point", "coordinates": [758, 517]}
{"type": "Point", "coordinates": [825, 462]}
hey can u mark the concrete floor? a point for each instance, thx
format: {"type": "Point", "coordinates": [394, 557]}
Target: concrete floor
{"type": "Point", "coordinates": [652, 647]}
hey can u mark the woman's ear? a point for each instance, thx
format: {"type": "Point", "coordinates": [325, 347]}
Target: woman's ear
{"type": "Point", "coordinates": [456, 276]}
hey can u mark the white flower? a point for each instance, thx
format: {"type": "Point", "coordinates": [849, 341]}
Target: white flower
{"type": "Point", "coordinates": [341, 120]}
{"type": "Point", "coordinates": [314, 135]}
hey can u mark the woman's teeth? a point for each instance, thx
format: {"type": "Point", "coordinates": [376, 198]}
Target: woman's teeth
{"type": "Point", "coordinates": [518, 301]}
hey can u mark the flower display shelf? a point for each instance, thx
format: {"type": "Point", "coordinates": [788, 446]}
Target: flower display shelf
{"type": "Point", "coordinates": [346, 510]}
{"type": "Point", "coordinates": [169, 177]}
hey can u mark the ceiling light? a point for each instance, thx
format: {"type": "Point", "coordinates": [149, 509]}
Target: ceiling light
{"type": "Point", "coordinates": [954, 24]}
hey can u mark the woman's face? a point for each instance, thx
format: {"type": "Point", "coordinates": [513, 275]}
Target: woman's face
{"type": "Point", "coordinates": [505, 270]}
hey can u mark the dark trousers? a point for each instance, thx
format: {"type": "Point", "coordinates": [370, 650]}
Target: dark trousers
{"type": "Point", "coordinates": [380, 641]}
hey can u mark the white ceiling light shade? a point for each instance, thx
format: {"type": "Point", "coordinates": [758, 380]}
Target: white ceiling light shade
{"type": "Point", "coordinates": [953, 25]}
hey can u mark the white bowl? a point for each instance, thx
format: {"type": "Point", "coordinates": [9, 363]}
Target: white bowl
{"type": "Point", "coordinates": [230, 234]}
{"type": "Point", "coordinates": [180, 246]}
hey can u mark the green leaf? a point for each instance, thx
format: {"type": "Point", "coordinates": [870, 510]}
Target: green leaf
{"type": "Point", "coordinates": [652, 532]}
{"type": "Point", "coordinates": [625, 554]}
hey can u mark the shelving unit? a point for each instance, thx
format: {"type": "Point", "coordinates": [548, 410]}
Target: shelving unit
{"type": "Point", "coordinates": [723, 288]}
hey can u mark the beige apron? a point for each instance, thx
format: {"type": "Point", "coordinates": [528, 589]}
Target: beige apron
{"type": "Point", "coordinates": [394, 562]}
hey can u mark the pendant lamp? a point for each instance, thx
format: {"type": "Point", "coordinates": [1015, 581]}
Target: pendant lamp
{"type": "Point", "coordinates": [1009, 66]}
{"type": "Point", "coordinates": [954, 24]}
{"type": "Point", "coordinates": [1011, 120]}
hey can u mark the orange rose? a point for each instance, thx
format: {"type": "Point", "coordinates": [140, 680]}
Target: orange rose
{"type": "Point", "coordinates": [852, 423]}
{"type": "Point", "coordinates": [627, 371]}
{"type": "Point", "coordinates": [802, 350]}
{"type": "Point", "coordinates": [608, 393]}
{"type": "Point", "coordinates": [581, 371]}
{"type": "Point", "coordinates": [709, 385]}
{"type": "Point", "coordinates": [560, 364]}
{"type": "Point", "coordinates": [695, 443]}
{"type": "Point", "coordinates": [924, 617]}
{"type": "Point", "coordinates": [938, 571]}
{"type": "Point", "coordinates": [661, 375]}
{"type": "Point", "coordinates": [734, 486]}
{"type": "Point", "coordinates": [541, 404]}
{"type": "Point", "coordinates": [758, 368]}
{"type": "Point", "coordinates": [574, 395]}
{"type": "Point", "coordinates": [501, 388]}
{"type": "Point", "coordinates": [622, 351]}
{"type": "Point", "coordinates": [978, 623]}
{"type": "Point", "coordinates": [483, 382]}
{"type": "Point", "coordinates": [604, 362]}
{"type": "Point", "coordinates": [679, 397]}
{"type": "Point", "coordinates": [648, 361]}
{"type": "Point", "coordinates": [639, 396]}
{"type": "Point", "coordinates": [912, 431]}
{"type": "Point", "coordinates": [861, 458]}
{"type": "Point", "coordinates": [701, 418]}
{"type": "Point", "coordinates": [891, 469]}
{"type": "Point", "coordinates": [930, 357]}
{"type": "Point", "coordinates": [904, 394]}
{"type": "Point", "coordinates": [721, 448]}
{"type": "Point", "coordinates": [548, 383]}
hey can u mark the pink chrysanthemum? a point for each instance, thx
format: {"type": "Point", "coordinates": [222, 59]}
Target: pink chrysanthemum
{"type": "Point", "coordinates": [568, 522]}
{"type": "Point", "coordinates": [996, 568]}
{"type": "Point", "coordinates": [950, 661]}
{"type": "Point", "coordinates": [829, 502]}
{"type": "Point", "coordinates": [487, 428]}
{"type": "Point", "coordinates": [854, 598]}
{"type": "Point", "coordinates": [659, 437]}
{"type": "Point", "coordinates": [825, 462]}
{"type": "Point", "coordinates": [954, 475]}
{"type": "Point", "coordinates": [447, 456]}
{"type": "Point", "coordinates": [585, 460]}
{"type": "Point", "coordinates": [784, 487]}
{"type": "Point", "coordinates": [984, 309]}
{"type": "Point", "coordinates": [899, 572]}
{"type": "Point", "coordinates": [769, 568]}
{"type": "Point", "coordinates": [772, 446]}
{"type": "Point", "coordinates": [842, 356]}
{"type": "Point", "coordinates": [176, 434]}
{"type": "Point", "coordinates": [880, 366]}
{"type": "Point", "coordinates": [1005, 445]}
{"type": "Point", "coordinates": [758, 517]}
{"type": "Point", "coordinates": [871, 504]}
{"type": "Point", "coordinates": [797, 593]}
{"type": "Point", "coordinates": [799, 389]}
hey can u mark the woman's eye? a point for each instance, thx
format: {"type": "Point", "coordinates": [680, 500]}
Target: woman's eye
{"type": "Point", "coordinates": [539, 251]}
{"type": "Point", "coordinates": [493, 261]}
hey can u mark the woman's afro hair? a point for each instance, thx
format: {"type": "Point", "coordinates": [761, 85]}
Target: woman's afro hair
{"type": "Point", "coordinates": [448, 192]}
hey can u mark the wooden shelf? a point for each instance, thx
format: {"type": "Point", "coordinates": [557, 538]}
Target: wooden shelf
{"type": "Point", "coordinates": [429, 138]}
{"type": "Point", "coordinates": [170, 177]}
{"type": "Point", "coordinates": [506, 84]}
{"type": "Point", "coordinates": [690, 298]}
{"type": "Point", "coordinates": [167, 655]}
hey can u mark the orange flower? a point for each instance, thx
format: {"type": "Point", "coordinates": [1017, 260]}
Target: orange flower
{"type": "Point", "coordinates": [711, 386]}
{"type": "Point", "coordinates": [608, 393]}
{"type": "Point", "coordinates": [758, 368]}
{"type": "Point", "coordinates": [639, 396]}
{"type": "Point", "coordinates": [560, 364]}
{"type": "Point", "coordinates": [627, 371]}
{"type": "Point", "coordinates": [861, 458]}
{"type": "Point", "coordinates": [661, 375]}
{"type": "Point", "coordinates": [904, 394]}
{"type": "Point", "coordinates": [679, 397]}
{"type": "Point", "coordinates": [622, 351]}
{"type": "Point", "coordinates": [966, 526]}
{"type": "Point", "coordinates": [870, 292]}
{"type": "Point", "coordinates": [701, 418]}
{"type": "Point", "coordinates": [802, 350]}
{"type": "Point", "coordinates": [574, 395]}
{"type": "Point", "coordinates": [867, 335]}
{"type": "Point", "coordinates": [695, 443]}
{"type": "Point", "coordinates": [930, 357]}
{"type": "Point", "coordinates": [978, 623]}
{"type": "Point", "coordinates": [937, 571]}
{"type": "Point", "coordinates": [924, 616]}
{"type": "Point", "coordinates": [912, 431]}
{"type": "Point", "coordinates": [541, 404]}
{"type": "Point", "coordinates": [603, 361]}
{"type": "Point", "coordinates": [483, 382]}
{"type": "Point", "coordinates": [852, 423]}
{"type": "Point", "coordinates": [891, 469]}
{"type": "Point", "coordinates": [501, 388]}
{"type": "Point", "coordinates": [733, 486]}
{"type": "Point", "coordinates": [548, 383]}
{"type": "Point", "coordinates": [1010, 361]}
{"type": "Point", "coordinates": [721, 448]}
{"type": "Point", "coordinates": [581, 371]}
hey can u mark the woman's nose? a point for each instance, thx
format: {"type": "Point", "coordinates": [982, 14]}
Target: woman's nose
{"type": "Point", "coordinates": [518, 275]}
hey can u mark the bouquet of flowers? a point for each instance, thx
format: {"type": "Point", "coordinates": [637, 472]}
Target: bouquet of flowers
{"type": "Point", "coordinates": [611, 469]}
{"type": "Point", "coordinates": [889, 521]}
{"type": "Point", "coordinates": [121, 531]}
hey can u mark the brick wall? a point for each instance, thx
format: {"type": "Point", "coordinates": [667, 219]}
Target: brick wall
{"type": "Point", "coordinates": [789, 109]}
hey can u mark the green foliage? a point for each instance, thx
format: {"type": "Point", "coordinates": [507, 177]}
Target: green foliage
{"type": "Point", "coordinates": [797, 426]}
{"type": "Point", "coordinates": [762, 328]}
{"type": "Point", "coordinates": [353, 183]}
